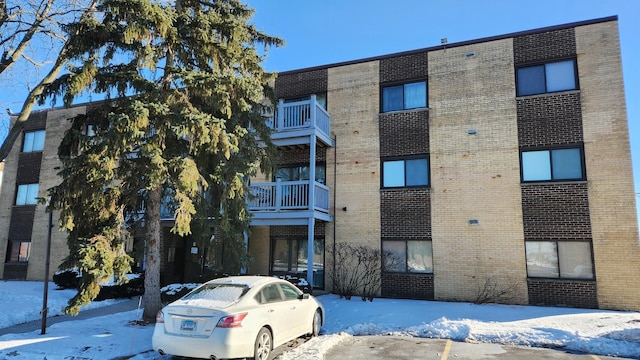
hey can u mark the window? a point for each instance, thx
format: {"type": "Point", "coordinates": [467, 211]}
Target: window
{"type": "Point", "coordinates": [18, 251]}
{"type": "Point", "coordinates": [404, 96]}
{"type": "Point", "coordinates": [221, 294]}
{"type": "Point", "coordinates": [90, 130]}
{"type": "Point", "coordinates": [552, 165]}
{"type": "Point", "coordinates": [559, 259]}
{"type": "Point", "coordinates": [270, 294]}
{"type": "Point", "coordinates": [289, 291]}
{"type": "Point", "coordinates": [295, 173]}
{"type": "Point", "coordinates": [33, 141]}
{"type": "Point", "coordinates": [27, 194]}
{"type": "Point", "coordinates": [547, 78]}
{"type": "Point", "coordinates": [414, 256]}
{"type": "Point", "coordinates": [405, 173]}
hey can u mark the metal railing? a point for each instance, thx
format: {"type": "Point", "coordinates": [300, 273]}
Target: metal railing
{"type": "Point", "coordinates": [288, 195]}
{"type": "Point", "coordinates": [301, 115]}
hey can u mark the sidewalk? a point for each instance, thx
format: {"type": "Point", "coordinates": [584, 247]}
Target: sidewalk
{"type": "Point", "coordinates": [122, 306]}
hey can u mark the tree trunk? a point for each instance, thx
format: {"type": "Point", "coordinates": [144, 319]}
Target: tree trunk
{"type": "Point", "coordinates": [152, 301]}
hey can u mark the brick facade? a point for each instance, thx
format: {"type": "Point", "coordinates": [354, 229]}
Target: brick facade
{"type": "Point", "coordinates": [549, 120]}
{"type": "Point", "coordinates": [476, 206]}
{"type": "Point", "coordinates": [405, 214]}
{"type": "Point", "coordinates": [572, 293]}
{"type": "Point", "coordinates": [404, 67]}
{"type": "Point", "coordinates": [296, 84]}
{"type": "Point", "coordinates": [353, 98]}
{"type": "Point", "coordinates": [29, 168]}
{"type": "Point", "coordinates": [37, 121]}
{"type": "Point", "coordinates": [296, 232]}
{"type": "Point", "coordinates": [543, 46]}
{"type": "Point", "coordinates": [553, 211]}
{"type": "Point", "coordinates": [404, 133]}
{"type": "Point", "coordinates": [408, 286]}
{"type": "Point", "coordinates": [21, 230]}
{"type": "Point", "coordinates": [556, 211]}
{"type": "Point", "coordinates": [610, 180]}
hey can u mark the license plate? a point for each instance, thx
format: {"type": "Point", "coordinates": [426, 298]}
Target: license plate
{"type": "Point", "coordinates": [188, 325]}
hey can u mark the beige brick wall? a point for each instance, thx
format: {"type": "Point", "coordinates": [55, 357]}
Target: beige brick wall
{"type": "Point", "coordinates": [352, 99]}
{"type": "Point", "coordinates": [475, 176]}
{"type": "Point", "coordinates": [7, 198]}
{"type": "Point", "coordinates": [1, 172]}
{"type": "Point", "coordinates": [259, 249]}
{"type": "Point", "coordinates": [607, 155]}
{"type": "Point", "coordinates": [57, 124]}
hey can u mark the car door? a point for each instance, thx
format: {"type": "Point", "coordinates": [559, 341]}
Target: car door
{"type": "Point", "coordinates": [277, 312]}
{"type": "Point", "coordinates": [299, 313]}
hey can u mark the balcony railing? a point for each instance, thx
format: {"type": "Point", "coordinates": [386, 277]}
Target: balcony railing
{"type": "Point", "coordinates": [301, 115]}
{"type": "Point", "coordinates": [289, 195]}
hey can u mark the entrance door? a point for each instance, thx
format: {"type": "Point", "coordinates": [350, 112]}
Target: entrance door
{"type": "Point", "coordinates": [290, 257]}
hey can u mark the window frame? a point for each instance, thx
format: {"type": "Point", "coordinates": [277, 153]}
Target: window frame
{"type": "Point", "coordinates": [10, 244]}
{"type": "Point", "coordinates": [407, 270]}
{"type": "Point", "coordinates": [559, 267]}
{"type": "Point", "coordinates": [403, 84]}
{"type": "Point", "coordinates": [404, 159]}
{"type": "Point", "coordinates": [544, 69]}
{"type": "Point", "coordinates": [29, 189]}
{"type": "Point", "coordinates": [550, 150]}
{"type": "Point", "coordinates": [31, 142]}
{"type": "Point", "coordinates": [321, 169]}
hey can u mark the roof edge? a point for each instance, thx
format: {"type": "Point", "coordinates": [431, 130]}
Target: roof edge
{"type": "Point", "coordinates": [457, 44]}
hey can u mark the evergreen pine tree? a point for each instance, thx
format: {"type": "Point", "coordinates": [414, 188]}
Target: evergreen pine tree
{"type": "Point", "coordinates": [183, 87]}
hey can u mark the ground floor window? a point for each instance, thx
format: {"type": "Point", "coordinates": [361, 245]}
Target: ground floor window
{"type": "Point", "coordinates": [291, 256]}
{"type": "Point", "coordinates": [414, 256]}
{"type": "Point", "coordinates": [559, 259]}
{"type": "Point", "coordinates": [18, 251]}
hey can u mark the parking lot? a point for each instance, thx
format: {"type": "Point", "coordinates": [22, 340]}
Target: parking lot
{"type": "Point", "coordinates": [400, 348]}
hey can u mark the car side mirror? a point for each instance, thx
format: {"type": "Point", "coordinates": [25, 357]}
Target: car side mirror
{"type": "Point", "coordinates": [303, 296]}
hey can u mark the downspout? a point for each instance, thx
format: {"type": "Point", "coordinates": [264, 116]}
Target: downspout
{"type": "Point", "coordinates": [335, 186]}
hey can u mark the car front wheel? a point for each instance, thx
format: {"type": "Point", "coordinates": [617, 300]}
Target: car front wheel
{"type": "Point", "coordinates": [262, 347]}
{"type": "Point", "coordinates": [317, 323]}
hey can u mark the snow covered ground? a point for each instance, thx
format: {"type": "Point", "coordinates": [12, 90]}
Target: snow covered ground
{"type": "Point", "coordinates": [595, 331]}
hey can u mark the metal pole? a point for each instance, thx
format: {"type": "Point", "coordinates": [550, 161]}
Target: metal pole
{"type": "Point", "coordinates": [46, 277]}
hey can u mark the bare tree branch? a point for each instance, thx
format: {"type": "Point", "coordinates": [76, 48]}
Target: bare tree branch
{"type": "Point", "coordinates": [33, 96]}
{"type": "Point", "coordinates": [43, 19]}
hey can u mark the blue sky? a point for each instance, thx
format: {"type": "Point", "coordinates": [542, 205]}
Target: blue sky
{"type": "Point", "coordinates": [330, 31]}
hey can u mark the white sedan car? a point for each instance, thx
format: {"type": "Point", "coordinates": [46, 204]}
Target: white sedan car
{"type": "Point", "coordinates": [236, 317]}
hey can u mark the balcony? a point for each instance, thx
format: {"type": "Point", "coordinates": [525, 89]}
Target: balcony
{"type": "Point", "coordinates": [296, 121]}
{"type": "Point", "coordinates": [289, 202]}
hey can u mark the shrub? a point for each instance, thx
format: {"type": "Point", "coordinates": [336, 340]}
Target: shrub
{"type": "Point", "coordinates": [357, 271]}
{"type": "Point", "coordinates": [67, 279]}
{"type": "Point", "coordinates": [134, 287]}
{"type": "Point", "coordinates": [70, 279]}
{"type": "Point", "coordinates": [493, 291]}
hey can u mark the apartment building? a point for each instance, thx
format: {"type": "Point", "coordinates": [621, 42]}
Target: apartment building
{"type": "Point", "coordinates": [501, 162]}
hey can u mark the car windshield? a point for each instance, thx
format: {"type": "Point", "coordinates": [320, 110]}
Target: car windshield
{"type": "Point", "coordinates": [215, 295]}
